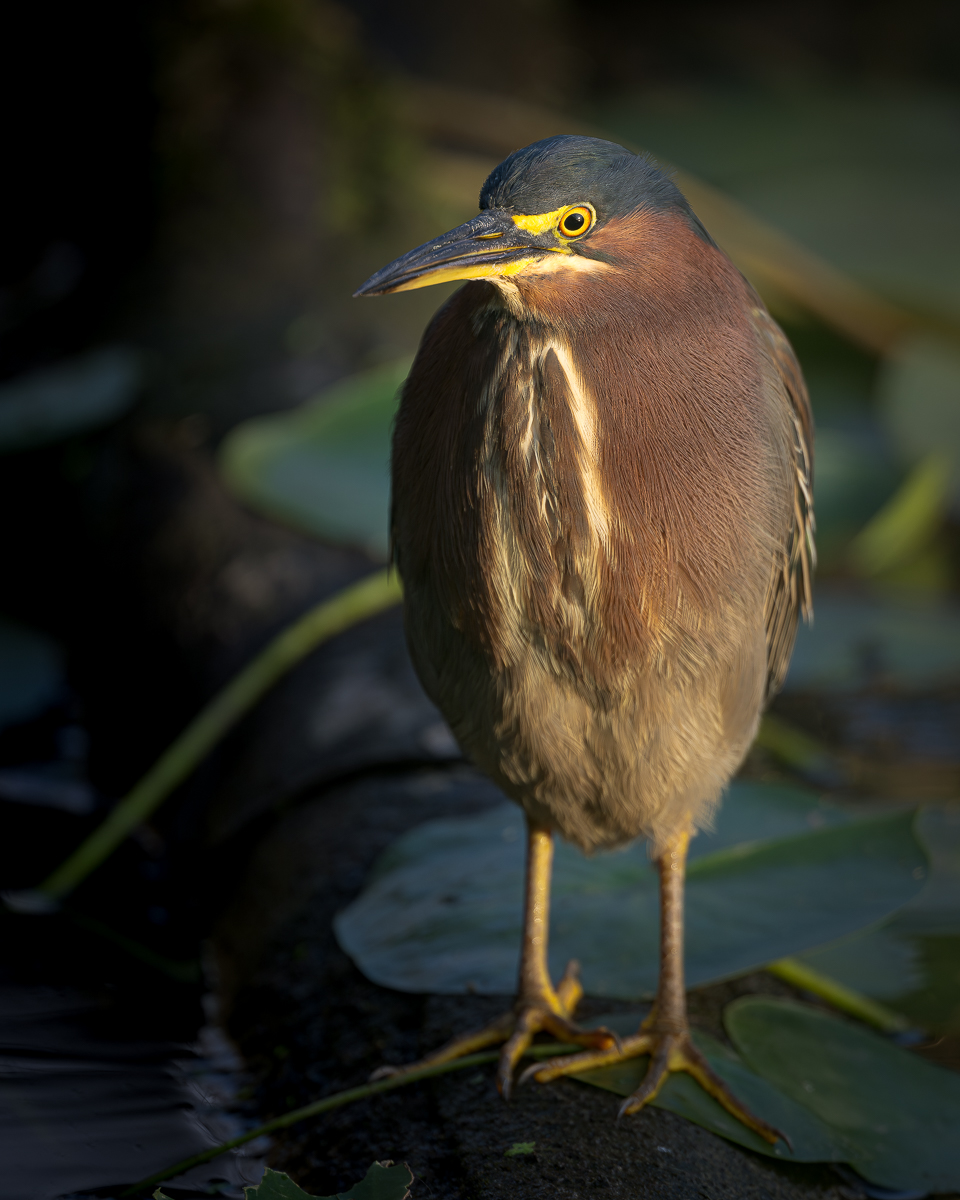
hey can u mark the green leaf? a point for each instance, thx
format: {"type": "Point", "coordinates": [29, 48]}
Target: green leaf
{"type": "Point", "coordinates": [443, 908]}
{"type": "Point", "coordinates": [520, 1148]}
{"type": "Point", "coordinates": [898, 1115]}
{"type": "Point", "coordinates": [912, 961]}
{"type": "Point", "coordinates": [383, 1181]}
{"type": "Point", "coordinates": [325, 467]}
{"type": "Point", "coordinates": [873, 961]}
{"type": "Point", "coordinates": [275, 1185]}
{"type": "Point", "coordinates": [812, 1139]}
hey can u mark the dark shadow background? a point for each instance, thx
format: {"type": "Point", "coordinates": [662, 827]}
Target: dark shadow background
{"type": "Point", "coordinates": [117, 119]}
{"type": "Point", "coordinates": [206, 182]}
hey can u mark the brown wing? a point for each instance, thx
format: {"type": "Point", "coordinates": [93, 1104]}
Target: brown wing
{"type": "Point", "coordinates": [789, 595]}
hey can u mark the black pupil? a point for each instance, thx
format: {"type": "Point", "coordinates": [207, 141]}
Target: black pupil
{"type": "Point", "coordinates": [574, 222]}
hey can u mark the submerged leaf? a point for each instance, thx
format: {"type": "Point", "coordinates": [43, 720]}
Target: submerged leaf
{"type": "Point", "coordinates": [442, 911]}
{"type": "Point", "coordinates": [898, 1115]}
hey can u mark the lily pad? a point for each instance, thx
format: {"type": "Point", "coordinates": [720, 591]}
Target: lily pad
{"type": "Point", "coordinates": [80, 393]}
{"type": "Point", "coordinates": [912, 961]}
{"type": "Point", "coordinates": [898, 1115]}
{"type": "Point", "coordinates": [876, 962]}
{"type": "Point", "coordinates": [812, 1140]}
{"type": "Point", "coordinates": [840, 1092]}
{"type": "Point", "coordinates": [325, 467]}
{"type": "Point", "coordinates": [443, 908]}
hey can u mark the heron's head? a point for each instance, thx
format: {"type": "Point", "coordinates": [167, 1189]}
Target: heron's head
{"type": "Point", "coordinates": [549, 207]}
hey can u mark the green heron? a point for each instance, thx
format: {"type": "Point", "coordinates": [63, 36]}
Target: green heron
{"type": "Point", "coordinates": [602, 518]}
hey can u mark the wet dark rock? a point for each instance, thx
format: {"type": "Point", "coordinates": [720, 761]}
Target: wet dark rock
{"type": "Point", "coordinates": [311, 1024]}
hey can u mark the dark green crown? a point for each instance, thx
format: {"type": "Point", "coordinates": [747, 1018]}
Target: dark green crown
{"type": "Point", "coordinates": [568, 169]}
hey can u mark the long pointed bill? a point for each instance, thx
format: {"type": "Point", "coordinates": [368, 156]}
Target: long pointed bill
{"type": "Point", "coordinates": [491, 244]}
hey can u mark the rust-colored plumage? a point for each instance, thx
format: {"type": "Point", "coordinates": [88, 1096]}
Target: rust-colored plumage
{"type": "Point", "coordinates": [594, 491]}
{"type": "Point", "coordinates": [601, 501]}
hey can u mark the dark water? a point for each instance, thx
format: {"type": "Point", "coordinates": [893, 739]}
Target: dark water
{"type": "Point", "coordinates": [111, 1065]}
{"type": "Point", "coordinates": [87, 1107]}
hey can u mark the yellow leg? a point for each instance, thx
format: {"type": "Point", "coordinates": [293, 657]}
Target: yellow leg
{"type": "Point", "coordinates": [665, 1034]}
{"type": "Point", "coordinates": [539, 1006]}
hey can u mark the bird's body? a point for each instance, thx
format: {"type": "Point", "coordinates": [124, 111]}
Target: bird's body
{"type": "Point", "coordinates": [602, 520]}
{"type": "Point", "coordinates": [586, 588]}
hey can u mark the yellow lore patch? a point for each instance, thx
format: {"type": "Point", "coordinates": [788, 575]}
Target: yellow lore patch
{"type": "Point", "coordinates": [541, 222]}
{"type": "Point", "coordinates": [546, 222]}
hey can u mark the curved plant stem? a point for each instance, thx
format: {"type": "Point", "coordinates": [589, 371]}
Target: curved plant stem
{"type": "Point", "coordinates": [348, 607]}
{"type": "Point", "coordinates": [791, 970]}
{"type": "Point", "coordinates": [338, 1100]}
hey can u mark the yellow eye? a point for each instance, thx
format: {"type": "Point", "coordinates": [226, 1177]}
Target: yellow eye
{"type": "Point", "coordinates": [576, 221]}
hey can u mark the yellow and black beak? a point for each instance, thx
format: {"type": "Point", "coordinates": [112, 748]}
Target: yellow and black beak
{"type": "Point", "coordinates": [493, 243]}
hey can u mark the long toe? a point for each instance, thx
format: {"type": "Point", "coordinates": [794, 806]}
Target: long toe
{"type": "Point", "coordinates": [514, 1031]}
{"type": "Point", "coordinates": [669, 1052]}
{"type": "Point", "coordinates": [459, 1047]}
{"type": "Point", "coordinates": [696, 1065]}
{"type": "Point", "coordinates": [510, 1055]}
{"type": "Point", "coordinates": [619, 1051]}
{"type": "Point", "coordinates": [537, 1019]}
{"type": "Point", "coordinates": [563, 1030]}
{"type": "Point", "coordinates": [662, 1058]}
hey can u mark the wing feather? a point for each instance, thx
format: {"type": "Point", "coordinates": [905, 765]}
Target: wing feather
{"type": "Point", "coordinates": [790, 595]}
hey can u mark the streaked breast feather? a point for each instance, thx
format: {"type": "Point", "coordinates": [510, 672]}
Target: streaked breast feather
{"type": "Point", "coordinates": [551, 518]}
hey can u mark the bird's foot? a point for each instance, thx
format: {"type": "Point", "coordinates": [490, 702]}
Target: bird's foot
{"type": "Point", "coordinates": [669, 1050]}
{"type": "Point", "coordinates": [549, 1010]}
